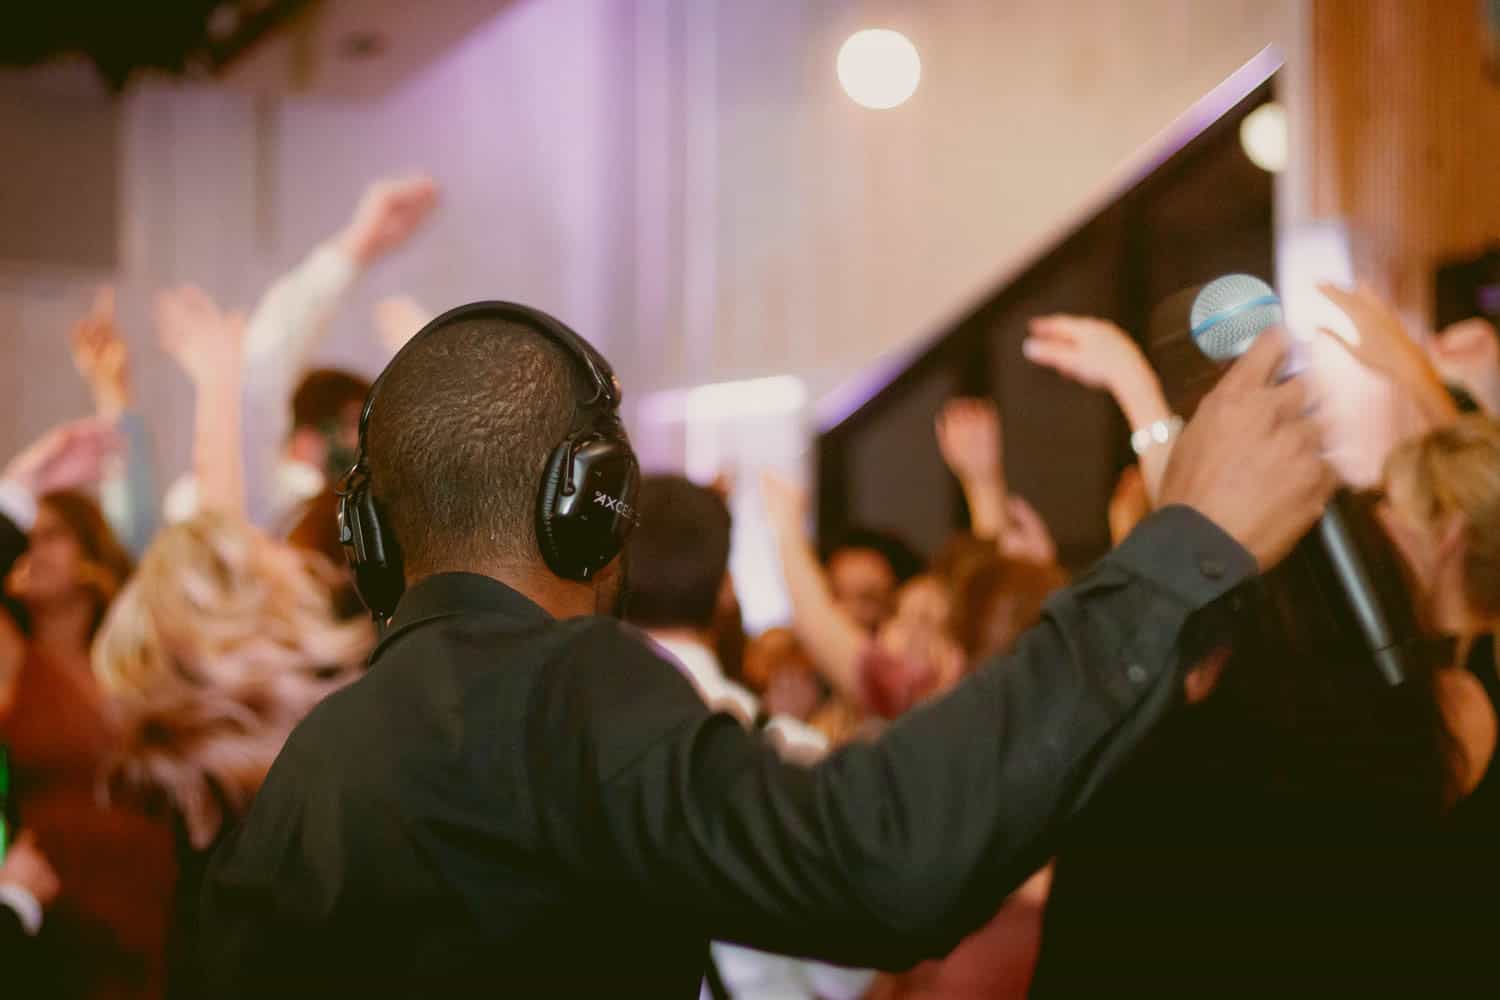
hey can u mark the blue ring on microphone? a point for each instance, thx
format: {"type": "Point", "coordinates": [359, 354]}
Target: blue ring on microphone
{"type": "Point", "coordinates": [1214, 319]}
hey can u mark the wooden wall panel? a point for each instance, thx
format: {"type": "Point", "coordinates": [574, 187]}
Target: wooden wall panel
{"type": "Point", "coordinates": [1405, 136]}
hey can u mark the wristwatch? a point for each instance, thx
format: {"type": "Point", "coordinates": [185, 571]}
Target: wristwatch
{"type": "Point", "coordinates": [1158, 432]}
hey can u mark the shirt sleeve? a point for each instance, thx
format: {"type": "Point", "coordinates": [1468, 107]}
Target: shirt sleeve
{"type": "Point", "coordinates": [285, 330]}
{"type": "Point", "coordinates": [890, 852]}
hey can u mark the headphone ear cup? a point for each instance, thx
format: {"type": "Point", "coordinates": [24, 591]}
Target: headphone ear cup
{"type": "Point", "coordinates": [373, 555]}
{"type": "Point", "coordinates": [548, 499]}
{"type": "Point", "coordinates": [580, 530]}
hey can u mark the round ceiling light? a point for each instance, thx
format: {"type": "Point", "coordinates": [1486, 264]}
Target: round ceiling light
{"type": "Point", "coordinates": [879, 68]}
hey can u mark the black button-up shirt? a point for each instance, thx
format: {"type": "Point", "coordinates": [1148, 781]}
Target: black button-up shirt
{"type": "Point", "coordinates": [511, 805]}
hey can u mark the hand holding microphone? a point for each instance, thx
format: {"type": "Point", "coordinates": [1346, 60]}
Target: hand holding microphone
{"type": "Point", "coordinates": [1235, 315]}
{"type": "Point", "coordinates": [1251, 458]}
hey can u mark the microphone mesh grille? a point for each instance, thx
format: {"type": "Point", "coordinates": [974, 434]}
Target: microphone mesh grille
{"type": "Point", "coordinates": [1230, 312]}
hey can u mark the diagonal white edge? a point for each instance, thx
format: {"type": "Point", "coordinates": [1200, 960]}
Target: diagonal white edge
{"type": "Point", "coordinates": [842, 401]}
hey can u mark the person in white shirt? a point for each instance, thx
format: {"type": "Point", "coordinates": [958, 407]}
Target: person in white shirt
{"type": "Point", "coordinates": [678, 559]}
{"type": "Point", "coordinates": [285, 469]}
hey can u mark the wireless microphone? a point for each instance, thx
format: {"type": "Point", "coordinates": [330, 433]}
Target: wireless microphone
{"type": "Point", "coordinates": [1227, 315]}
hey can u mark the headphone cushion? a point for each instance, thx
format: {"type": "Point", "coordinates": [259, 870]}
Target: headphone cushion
{"type": "Point", "coordinates": [546, 507]}
{"type": "Point", "coordinates": [580, 530]}
{"type": "Point", "coordinates": [373, 556]}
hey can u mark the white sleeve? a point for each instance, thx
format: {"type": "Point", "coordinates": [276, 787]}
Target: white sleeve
{"type": "Point", "coordinates": [18, 504]}
{"type": "Point", "coordinates": [27, 909]}
{"type": "Point", "coordinates": [292, 316]}
{"type": "Point", "coordinates": [286, 329]}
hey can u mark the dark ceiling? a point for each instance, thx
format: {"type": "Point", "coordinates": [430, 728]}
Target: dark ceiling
{"type": "Point", "coordinates": [124, 37]}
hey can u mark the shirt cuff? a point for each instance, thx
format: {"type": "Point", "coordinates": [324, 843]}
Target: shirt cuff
{"type": "Point", "coordinates": [1186, 555]}
{"type": "Point", "coordinates": [17, 503]}
{"type": "Point", "coordinates": [27, 909]}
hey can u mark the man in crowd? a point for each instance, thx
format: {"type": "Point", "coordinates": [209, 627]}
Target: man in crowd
{"type": "Point", "coordinates": [864, 571]}
{"type": "Point", "coordinates": [679, 578]}
{"type": "Point", "coordinates": [522, 797]}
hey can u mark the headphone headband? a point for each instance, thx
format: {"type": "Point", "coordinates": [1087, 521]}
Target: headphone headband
{"type": "Point", "coordinates": [601, 375]}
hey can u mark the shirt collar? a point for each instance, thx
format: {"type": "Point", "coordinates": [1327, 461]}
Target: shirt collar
{"type": "Point", "coordinates": [446, 595]}
{"type": "Point", "coordinates": [696, 659]}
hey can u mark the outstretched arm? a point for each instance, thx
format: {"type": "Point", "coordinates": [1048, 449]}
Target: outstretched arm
{"type": "Point", "coordinates": [831, 638]}
{"type": "Point", "coordinates": [1100, 355]}
{"type": "Point", "coordinates": [128, 492]}
{"type": "Point", "coordinates": [886, 853]}
{"type": "Point", "coordinates": [208, 344]}
{"type": "Point", "coordinates": [969, 437]}
{"type": "Point", "coordinates": [292, 318]}
{"type": "Point", "coordinates": [890, 852]}
{"type": "Point", "coordinates": [397, 319]}
{"type": "Point", "coordinates": [973, 446]}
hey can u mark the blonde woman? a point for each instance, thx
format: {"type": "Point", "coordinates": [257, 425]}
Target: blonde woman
{"type": "Point", "coordinates": [221, 642]}
{"type": "Point", "coordinates": [1442, 509]}
{"type": "Point", "coordinates": [217, 647]}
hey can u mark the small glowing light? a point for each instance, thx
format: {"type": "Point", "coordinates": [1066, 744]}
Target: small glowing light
{"type": "Point", "coordinates": [879, 68]}
{"type": "Point", "coordinates": [1263, 133]}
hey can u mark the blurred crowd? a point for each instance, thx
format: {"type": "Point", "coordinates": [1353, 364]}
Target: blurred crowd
{"type": "Point", "coordinates": [159, 641]}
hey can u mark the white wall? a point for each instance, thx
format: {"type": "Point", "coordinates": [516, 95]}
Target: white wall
{"type": "Point", "coordinates": [681, 179]}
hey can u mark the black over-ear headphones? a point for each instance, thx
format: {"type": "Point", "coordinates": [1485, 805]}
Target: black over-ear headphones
{"type": "Point", "coordinates": [586, 501]}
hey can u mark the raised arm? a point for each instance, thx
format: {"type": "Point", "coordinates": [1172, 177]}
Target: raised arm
{"type": "Point", "coordinates": [1100, 355]}
{"type": "Point", "coordinates": [128, 491]}
{"type": "Point", "coordinates": [970, 440]}
{"type": "Point", "coordinates": [208, 344]}
{"type": "Point", "coordinates": [64, 458]}
{"type": "Point", "coordinates": [397, 319]}
{"type": "Point", "coordinates": [832, 640]}
{"type": "Point", "coordinates": [1386, 347]}
{"type": "Point", "coordinates": [890, 852]}
{"type": "Point", "coordinates": [292, 318]}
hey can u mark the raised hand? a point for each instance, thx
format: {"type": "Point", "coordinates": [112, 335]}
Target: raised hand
{"type": "Point", "coordinates": [1098, 354]}
{"type": "Point", "coordinates": [1094, 352]}
{"type": "Point", "coordinates": [1251, 459]}
{"type": "Point", "coordinates": [205, 341]}
{"type": "Point", "coordinates": [100, 356]}
{"type": "Point", "coordinates": [1468, 354]}
{"type": "Point", "coordinates": [388, 214]}
{"type": "Point", "coordinates": [968, 435]}
{"type": "Point", "coordinates": [397, 319]}
{"type": "Point", "coordinates": [1385, 347]}
{"type": "Point", "coordinates": [65, 458]}
{"type": "Point", "coordinates": [1026, 535]}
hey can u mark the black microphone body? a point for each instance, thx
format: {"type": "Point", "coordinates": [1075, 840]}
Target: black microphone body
{"type": "Point", "coordinates": [1360, 591]}
{"type": "Point", "coordinates": [1227, 315]}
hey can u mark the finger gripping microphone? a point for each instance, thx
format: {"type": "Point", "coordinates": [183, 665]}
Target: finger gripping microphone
{"type": "Point", "coordinates": [1227, 315]}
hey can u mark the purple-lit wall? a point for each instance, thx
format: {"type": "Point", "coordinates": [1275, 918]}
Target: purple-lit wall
{"type": "Point", "coordinates": [682, 179]}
